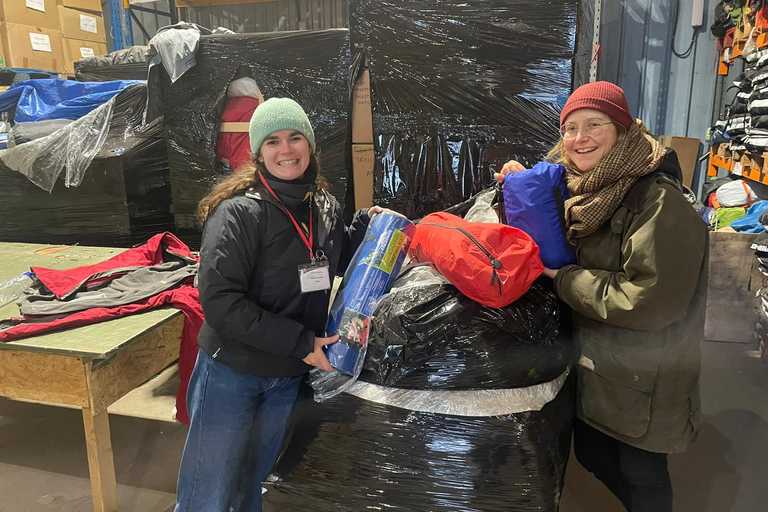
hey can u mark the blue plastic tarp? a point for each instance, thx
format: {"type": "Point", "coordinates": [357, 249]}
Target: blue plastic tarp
{"type": "Point", "coordinates": [750, 223]}
{"type": "Point", "coordinates": [39, 100]}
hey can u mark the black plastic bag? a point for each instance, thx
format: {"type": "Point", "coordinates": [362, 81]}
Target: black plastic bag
{"type": "Point", "coordinates": [426, 335]}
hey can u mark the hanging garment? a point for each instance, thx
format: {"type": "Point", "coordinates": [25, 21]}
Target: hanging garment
{"type": "Point", "coordinates": [233, 146]}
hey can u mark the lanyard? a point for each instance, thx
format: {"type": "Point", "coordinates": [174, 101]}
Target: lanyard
{"type": "Point", "coordinates": [308, 242]}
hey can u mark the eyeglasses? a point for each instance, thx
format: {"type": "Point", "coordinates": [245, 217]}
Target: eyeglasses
{"type": "Point", "coordinates": [571, 131]}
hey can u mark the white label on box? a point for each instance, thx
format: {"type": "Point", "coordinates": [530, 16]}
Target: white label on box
{"type": "Point", "coordinates": [87, 52]}
{"type": "Point", "coordinates": [40, 42]}
{"type": "Point", "coordinates": [736, 168]}
{"type": "Point", "coordinates": [38, 5]}
{"type": "Point", "coordinates": [88, 24]}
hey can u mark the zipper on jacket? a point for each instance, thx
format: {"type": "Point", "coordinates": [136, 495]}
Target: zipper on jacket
{"type": "Point", "coordinates": [495, 263]}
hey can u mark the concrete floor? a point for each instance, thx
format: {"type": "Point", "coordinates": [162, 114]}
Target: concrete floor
{"type": "Point", "coordinates": [43, 466]}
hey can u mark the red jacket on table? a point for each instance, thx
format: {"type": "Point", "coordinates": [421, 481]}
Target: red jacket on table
{"type": "Point", "coordinates": [184, 296]}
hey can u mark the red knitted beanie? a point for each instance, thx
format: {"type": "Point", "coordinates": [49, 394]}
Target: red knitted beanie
{"type": "Point", "coordinates": [604, 97]}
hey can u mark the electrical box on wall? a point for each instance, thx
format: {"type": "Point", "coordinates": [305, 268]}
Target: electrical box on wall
{"type": "Point", "coordinates": [697, 13]}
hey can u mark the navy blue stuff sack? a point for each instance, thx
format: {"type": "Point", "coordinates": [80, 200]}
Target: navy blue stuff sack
{"type": "Point", "coordinates": [533, 202]}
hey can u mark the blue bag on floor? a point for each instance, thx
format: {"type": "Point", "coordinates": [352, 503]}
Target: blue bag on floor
{"type": "Point", "coordinates": [533, 202]}
{"type": "Point", "coordinates": [750, 223]}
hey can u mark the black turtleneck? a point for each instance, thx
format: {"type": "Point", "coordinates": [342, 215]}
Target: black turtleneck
{"type": "Point", "coordinates": [294, 194]}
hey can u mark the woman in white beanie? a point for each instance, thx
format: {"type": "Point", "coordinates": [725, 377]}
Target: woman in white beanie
{"type": "Point", "coordinates": [232, 146]}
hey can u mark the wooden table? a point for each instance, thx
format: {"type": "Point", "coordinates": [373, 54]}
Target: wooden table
{"type": "Point", "coordinates": [88, 367]}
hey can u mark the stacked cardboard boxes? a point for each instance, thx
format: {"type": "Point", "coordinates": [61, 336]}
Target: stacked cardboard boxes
{"type": "Point", "coordinates": [30, 36]}
{"type": "Point", "coordinates": [82, 27]}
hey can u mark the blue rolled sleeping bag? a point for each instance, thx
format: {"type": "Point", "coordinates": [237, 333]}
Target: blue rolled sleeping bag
{"type": "Point", "coordinates": [370, 275]}
{"type": "Point", "coordinates": [533, 202]}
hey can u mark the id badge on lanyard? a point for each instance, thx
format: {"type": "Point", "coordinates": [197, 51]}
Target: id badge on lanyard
{"type": "Point", "coordinates": [315, 276]}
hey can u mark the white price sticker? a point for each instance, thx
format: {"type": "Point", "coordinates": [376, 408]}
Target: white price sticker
{"type": "Point", "coordinates": [87, 52]}
{"type": "Point", "coordinates": [40, 42]}
{"type": "Point", "coordinates": [38, 5]}
{"type": "Point", "coordinates": [88, 24]}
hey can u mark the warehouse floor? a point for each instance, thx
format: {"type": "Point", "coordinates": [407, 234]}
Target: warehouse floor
{"type": "Point", "coordinates": [43, 467]}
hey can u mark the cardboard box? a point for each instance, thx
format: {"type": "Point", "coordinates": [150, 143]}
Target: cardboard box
{"type": "Point", "coordinates": [37, 13]}
{"type": "Point", "coordinates": [362, 115]}
{"type": "Point", "coordinates": [88, 5]}
{"type": "Point", "coordinates": [27, 46]}
{"type": "Point", "coordinates": [76, 49]}
{"type": "Point", "coordinates": [85, 26]}
{"type": "Point", "coordinates": [733, 280]}
{"type": "Point", "coordinates": [687, 150]}
{"type": "Point", "coordinates": [362, 170]}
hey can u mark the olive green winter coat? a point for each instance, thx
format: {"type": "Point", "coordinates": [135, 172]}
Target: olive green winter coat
{"type": "Point", "coordinates": [638, 295]}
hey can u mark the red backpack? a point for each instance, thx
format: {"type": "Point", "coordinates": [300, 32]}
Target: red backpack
{"type": "Point", "coordinates": [492, 264]}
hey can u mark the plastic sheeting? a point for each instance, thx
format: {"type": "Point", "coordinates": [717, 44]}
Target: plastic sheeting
{"type": "Point", "coordinates": [175, 47]}
{"type": "Point", "coordinates": [25, 132]}
{"type": "Point", "coordinates": [458, 88]}
{"type": "Point", "coordinates": [103, 132]}
{"type": "Point", "coordinates": [127, 64]}
{"type": "Point", "coordinates": [485, 402]}
{"type": "Point", "coordinates": [351, 454]}
{"type": "Point", "coordinates": [310, 67]}
{"type": "Point", "coordinates": [426, 335]}
{"type": "Point", "coordinates": [122, 195]}
{"type": "Point", "coordinates": [72, 149]}
{"type": "Point", "coordinates": [39, 100]}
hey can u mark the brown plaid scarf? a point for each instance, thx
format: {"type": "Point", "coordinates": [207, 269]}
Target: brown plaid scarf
{"type": "Point", "coordinates": [596, 194]}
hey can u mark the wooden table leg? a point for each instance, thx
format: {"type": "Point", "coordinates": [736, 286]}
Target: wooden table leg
{"type": "Point", "coordinates": [101, 464]}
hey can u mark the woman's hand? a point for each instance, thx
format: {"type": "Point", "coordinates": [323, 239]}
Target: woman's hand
{"type": "Point", "coordinates": [317, 357]}
{"type": "Point", "coordinates": [511, 166]}
{"type": "Point", "coordinates": [550, 273]}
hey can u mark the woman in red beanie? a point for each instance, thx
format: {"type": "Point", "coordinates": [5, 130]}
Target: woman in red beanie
{"type": "Point", "coordinates": [637, 293]}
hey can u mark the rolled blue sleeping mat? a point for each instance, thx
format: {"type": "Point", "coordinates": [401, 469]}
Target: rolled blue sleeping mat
{"type": "Point", "coordinates": [370, 275]}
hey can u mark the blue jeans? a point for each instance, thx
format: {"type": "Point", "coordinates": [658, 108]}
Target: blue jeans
{"type": "Point", "coordinates": [237, 425]}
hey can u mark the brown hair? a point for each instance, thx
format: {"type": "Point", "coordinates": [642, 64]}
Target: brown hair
{"type": "Point", "coordinates": [242, 179]}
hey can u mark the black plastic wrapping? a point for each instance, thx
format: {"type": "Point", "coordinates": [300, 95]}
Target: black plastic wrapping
{"type": "Point", "coordinates": [94, 213]}
{"type": "Point", "coordinates": [123, 198]}
{"type": "Point", "coordinates": [458, 88]}
{"type": "Point", "coordinates": [310, 67]}
{"type": "Point", "coordinates": [350, 455]}
{"type": "Point", "coordinates": [126, 64]}
{"type": "Point", "coordinates": [426, 335]}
